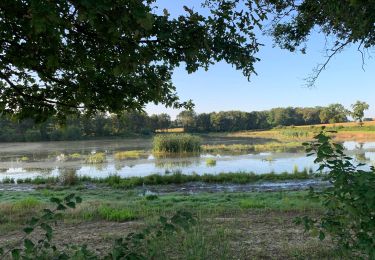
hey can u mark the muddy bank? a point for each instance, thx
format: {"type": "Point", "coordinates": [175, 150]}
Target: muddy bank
{"type": "Point", "coordinates": [199, 187]}
{"type": "Point", "coordinates": [196, 187]}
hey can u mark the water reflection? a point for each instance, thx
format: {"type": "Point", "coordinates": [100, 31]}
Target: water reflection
{"type": "Point", "coordinates": [72, 163]}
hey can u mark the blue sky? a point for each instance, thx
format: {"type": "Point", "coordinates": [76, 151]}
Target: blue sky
{"type": "Point", "coordinates": [280, 81]}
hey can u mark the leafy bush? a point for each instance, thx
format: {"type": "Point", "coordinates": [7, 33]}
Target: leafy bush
{"type": "Point", "coordinates": [350, 201]}
{"type": "Point", "coordinates": [176, 143]}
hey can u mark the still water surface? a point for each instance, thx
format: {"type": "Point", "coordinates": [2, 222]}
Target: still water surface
{"type": "Point", "coordinates": [29, 160]}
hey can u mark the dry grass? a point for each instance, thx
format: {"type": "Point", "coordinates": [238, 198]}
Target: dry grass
{"type": "Point", "coordinates": [171, 130]}
{"type": "Point", "coordinates": [135, 154]}
{"type": "Point", "coordinates": [347, 124]}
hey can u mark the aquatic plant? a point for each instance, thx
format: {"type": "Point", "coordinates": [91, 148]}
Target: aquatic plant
{"type": "Point", "coordinates": [210, 162]}
{"type": "Point", "coordinates": [96, 158]}
{"type": "Point", "coordinates": [134, 154]}
{"type": "Point", "coordinates": [266, 147]}
{"type": "Point", "coordinates": [176, 144]}
{"type": "Point", "coordinates": [75, 156]}
{"type": "Point", "coordinates": [24, 159]}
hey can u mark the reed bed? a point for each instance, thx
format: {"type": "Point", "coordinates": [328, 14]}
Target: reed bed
{"type": "Point", "coordinates": [176, 144]}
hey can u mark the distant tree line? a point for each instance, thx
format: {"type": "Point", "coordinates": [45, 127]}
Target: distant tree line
{"type": "Point", "coordinates": [137, 123]}
{"type": "Point", "coordinates": [237, 120]}
{"type": "Point", "coordinates": [82, 128]}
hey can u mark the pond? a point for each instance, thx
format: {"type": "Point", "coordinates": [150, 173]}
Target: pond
{"type": "Point", "coordinates": [29, 160]}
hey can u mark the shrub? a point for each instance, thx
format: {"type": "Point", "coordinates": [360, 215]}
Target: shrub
{"type": "Point", "coordinates": [349, 201]}
{"type": "Point", "coordinates": [176, 143]}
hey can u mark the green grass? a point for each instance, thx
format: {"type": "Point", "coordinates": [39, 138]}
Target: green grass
{"type": "Point", "coordinates": [176, 144]}
{"type": "Point", "coordinates": [174, 178]}
{"type": "Point", "coordinates": [230, 225]}
{"type": "Point", "coordinates": [26, 203]}
{"type": "Point", "coordinates": [116, 214]}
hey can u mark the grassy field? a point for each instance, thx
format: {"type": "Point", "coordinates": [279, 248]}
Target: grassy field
{"type": "Point", "coordinates": [345, 132]}
{"type": "Point", "coordinates": [230, 225]}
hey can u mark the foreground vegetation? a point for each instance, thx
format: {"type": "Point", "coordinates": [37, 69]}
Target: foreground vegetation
{"type": "Point", "coordinates": [70, 178]}
{"type": "Point", "coordinates": [230, 225]}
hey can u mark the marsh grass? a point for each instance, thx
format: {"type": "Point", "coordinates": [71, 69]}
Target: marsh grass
{"type": "Point", "coordinates": [8, 180]}
{"type": "Point", "coordinates": [134, 154]}
{"type": "Point", "coordinates": [75, 157]}
{"type": "Point", "coordinates": [179, 178]}
{"type": "Point", "coordinates": [96, 158]}
{"type": "Point", "coordinates": [267, 147]}
{"type": "Point", "coordinates": [69, 177]}
{"type": "Point", "coordinates": [176, 144]}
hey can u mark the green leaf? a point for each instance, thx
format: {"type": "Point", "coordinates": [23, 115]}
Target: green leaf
{"type": "Point", "coordinates": [69, 197]}
{"type": "Point", "coordinates": [29, 245]}
{"type": "Point", "coordinates": [46, 227]}
{"type": "Point", "coordinates": [33, 221]}
{"type": "Point", "coordinates": [322, 235]}
{"type": "Point", "coordinates": [163, 220]}
{"type": "Point", "coordinates": [78, 199]}
{"type": "Point", "coordinates": [16, 253]}
{"type": "Point", "coordinates": [61, 207]}
{"type": "Point", "coordinates": [28, 230]}
{"type": "Point", "coordinates": [55, 200]}
{"type": "Point", "coordinates": [71, 204]}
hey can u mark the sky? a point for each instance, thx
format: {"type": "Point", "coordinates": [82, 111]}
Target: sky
{"type": "Point", "coordinates": [280, 81]}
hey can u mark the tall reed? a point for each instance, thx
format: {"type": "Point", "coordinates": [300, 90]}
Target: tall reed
{"type": "Point", "coordinates": [176, 144]}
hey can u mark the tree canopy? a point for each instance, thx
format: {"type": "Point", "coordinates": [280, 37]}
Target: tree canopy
{"type": "Point", "coordinates": [60, 57]}
{"type": "Point", "coordinates": [359, 111]}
